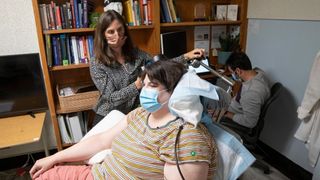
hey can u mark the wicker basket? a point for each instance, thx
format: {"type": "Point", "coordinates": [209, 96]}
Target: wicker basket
{"type": "Point", "coordinates": [77, 102]}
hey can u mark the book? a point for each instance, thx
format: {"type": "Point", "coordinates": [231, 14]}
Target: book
{"type": "Point", "coordinates": [69, 12]}
{"type": "Point", "coordinates": [172, 10]}
{"type": "Point", "coordinates": [85, 14]}
{"type": "Point", "coordinates": [55, 51]}
{"type": "Point", "coordinates": [221, 12]}
{"type": "Point", "coordinates": [75, 49]}
{"type": "Point", "coordinates": [90, 44]}
{"type": "Point", "coordinates": [65, 135]}
{"type": "Point", "coordinates": [232, 12]}
{"type": "Point", "coordinates": [64, 16]}
{"type": "Point", "coordinates": [166, 10]}
{"type": "Point", "coordinates": [64, 55]}
{"type": "Point", "coordinates": [75, 126]}
{"type": "Point", "coordinates": [128, 13]}
{"type": "Point", "coordinates": [52, 15]}
{"type": "Point", "coordinates": [149, 13]}
{"type": "Point", "coordinates": [43, 17]}
{"type": "Point", "coordinates": [48, 50]}
{"type": "Point", "coordinates": [75, 13]}
{"type": "Point", "coordinates": [136, 12]}
{"type": "Point", "coordinates": [58, 18]}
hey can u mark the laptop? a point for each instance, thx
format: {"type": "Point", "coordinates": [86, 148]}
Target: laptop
{"type": "Point", "coordinates": [201, 70]}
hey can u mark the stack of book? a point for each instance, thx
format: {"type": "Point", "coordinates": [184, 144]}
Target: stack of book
{"type": "Point", "coordinates": [73, 126]}
{"type": "Point", "coordinates": [138, 12]}
{"type": "Point", "coordinates": [63, 49]}
{"type": "Point", "coordinates": [73, 14]}
{"type": "Point", "coordinates": [168, 11]}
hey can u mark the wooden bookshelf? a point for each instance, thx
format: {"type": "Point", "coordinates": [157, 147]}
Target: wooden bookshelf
{"type": "Point", "coordinates": [202, 23]}
{"type": "Point", "coordinates": [146, 37]}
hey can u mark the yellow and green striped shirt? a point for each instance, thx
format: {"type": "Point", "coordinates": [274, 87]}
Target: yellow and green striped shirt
{"type": "Point", "coordinates": [140, 152]}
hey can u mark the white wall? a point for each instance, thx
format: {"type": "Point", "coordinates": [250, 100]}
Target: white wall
{"type": "Point", "coordinates": [285, 49]}
{"type": "Point", "coordinates": [284, 9]}
{"type": "Point", "coordinates": [18, 36]}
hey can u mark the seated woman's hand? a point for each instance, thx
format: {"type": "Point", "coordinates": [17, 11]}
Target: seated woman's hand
{"type": "Point", "coordinates": [41, 166]}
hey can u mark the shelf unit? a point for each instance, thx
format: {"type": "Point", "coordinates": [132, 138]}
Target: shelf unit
{"type": "Point", "coordinates": [146, 37]}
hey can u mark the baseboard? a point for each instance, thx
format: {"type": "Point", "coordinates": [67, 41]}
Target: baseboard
{"type": "Point", "coordinates": [285, 165]}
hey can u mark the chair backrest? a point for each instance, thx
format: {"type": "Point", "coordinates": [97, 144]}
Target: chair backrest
{"type": "Point", "coordinates": [253, 137]}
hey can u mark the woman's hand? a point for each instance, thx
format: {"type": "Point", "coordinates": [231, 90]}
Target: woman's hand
{"type": "Point", "coordinates": [41, 166]}
{"type": "Point", "coordinates": [139, 83]}
{"type": "Point", "coordinates": [196, 53]}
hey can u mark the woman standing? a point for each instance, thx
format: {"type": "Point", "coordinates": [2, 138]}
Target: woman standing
{"type": "Point", "coordinates": [117, 65]}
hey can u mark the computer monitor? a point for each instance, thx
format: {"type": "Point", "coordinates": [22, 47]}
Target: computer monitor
{"type": "Point", "coordinates": [174, 44]}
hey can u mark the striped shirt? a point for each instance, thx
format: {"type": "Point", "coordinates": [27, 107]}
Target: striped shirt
{"type": "Point", "coordinates": [140, 152]}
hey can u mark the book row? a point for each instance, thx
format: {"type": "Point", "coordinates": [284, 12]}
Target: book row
{"type": "Point", "coordinates": [168, 12]}
{"type": "Point", "coordinates": [73, 14]}
{"type": "Point", "coordinates": [138, 12]}
{"type": "Point", "coordinates": [73, 126]}
{"type": "Point", "coordinates": [64, 49]}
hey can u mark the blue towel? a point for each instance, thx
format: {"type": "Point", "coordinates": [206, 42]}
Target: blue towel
{"type": "Point", "coordinates": [233, 158]}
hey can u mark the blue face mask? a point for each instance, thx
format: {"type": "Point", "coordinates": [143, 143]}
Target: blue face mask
{"type": "Point", "coordinates": [149, 99]}
{"type": "Point", "coordinates": [235, 77]}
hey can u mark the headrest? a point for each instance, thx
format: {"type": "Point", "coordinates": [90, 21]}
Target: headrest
{"type": "Point", "coordinates": [185, 99]}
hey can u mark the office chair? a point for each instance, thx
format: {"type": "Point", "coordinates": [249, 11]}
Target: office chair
{"type": "Point", "coordinates": [250, 137]}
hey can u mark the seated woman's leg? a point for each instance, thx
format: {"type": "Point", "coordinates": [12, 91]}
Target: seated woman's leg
{"type": "Point", "coordinates": [79, 172]}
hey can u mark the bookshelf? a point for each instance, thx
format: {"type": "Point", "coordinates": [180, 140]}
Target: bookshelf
{"type": "Point", "coordinates": [146, 37]}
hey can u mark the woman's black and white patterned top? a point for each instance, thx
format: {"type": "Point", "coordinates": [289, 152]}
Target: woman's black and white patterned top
{"type": "Point", "coordinates": [116, 84]}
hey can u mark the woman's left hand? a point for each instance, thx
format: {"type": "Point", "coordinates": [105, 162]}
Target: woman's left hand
{"type": "Point", "coordinates": [196, 53]}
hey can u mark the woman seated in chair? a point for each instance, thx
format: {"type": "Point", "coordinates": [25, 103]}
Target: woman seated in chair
{"type": "Point", "coordinates": [143, 144]}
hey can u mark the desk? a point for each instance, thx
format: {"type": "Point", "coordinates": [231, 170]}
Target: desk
{"type": "Point", "coordinates": [24, 129]}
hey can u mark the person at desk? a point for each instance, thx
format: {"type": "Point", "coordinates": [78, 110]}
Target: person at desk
{"type": "Point", "coordinates": [117, 65]}
{"type": "Point", "coordinates": [244, 109]}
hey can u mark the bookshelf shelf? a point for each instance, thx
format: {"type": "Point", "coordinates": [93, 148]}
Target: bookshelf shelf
{"type": "Point", "coordinates": [90, 30]}
{"type": "Point", "coordinates": [202, 23]}
{"type": "Point", "coordinates": [70, 66]}
{"type": "Point", "coordinates": [79, 30]}
{"type": "Point", "coordinates": [63, 111]}
{"type": "Point", "coordinates": [141, 27]}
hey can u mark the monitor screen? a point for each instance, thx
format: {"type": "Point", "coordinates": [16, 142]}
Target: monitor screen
{"type": "Point", "coordinates": [21, 85]}
{"type": "Point", "coordinates": [173, 44]}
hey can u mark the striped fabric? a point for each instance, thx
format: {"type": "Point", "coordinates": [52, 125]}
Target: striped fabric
{"type": "Point", "coordinates": [140, 152]}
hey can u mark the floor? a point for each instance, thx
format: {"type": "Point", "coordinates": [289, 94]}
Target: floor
{"type": "Point", "coordinates": [253, 173]}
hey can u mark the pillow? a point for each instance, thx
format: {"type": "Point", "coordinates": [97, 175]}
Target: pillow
{"type": "Point", "coordinates": [113, 118]}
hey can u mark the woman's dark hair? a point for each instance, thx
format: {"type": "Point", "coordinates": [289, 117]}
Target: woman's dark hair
{"type": "Point", "coordinates": [239, 60]}
{"type": "Point", "coordinates": [167, 73]}
{"type": "Point", "coordinates": [102, 51]}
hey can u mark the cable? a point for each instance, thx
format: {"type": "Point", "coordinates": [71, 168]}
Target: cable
{"type": "Point", "coordinates": [175, 152]}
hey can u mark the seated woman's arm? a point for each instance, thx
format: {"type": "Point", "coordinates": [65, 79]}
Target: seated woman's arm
{"type": "Point", "coordinates": [80, 151]}
{"type": "Point", "coordinates": [190, 171]}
